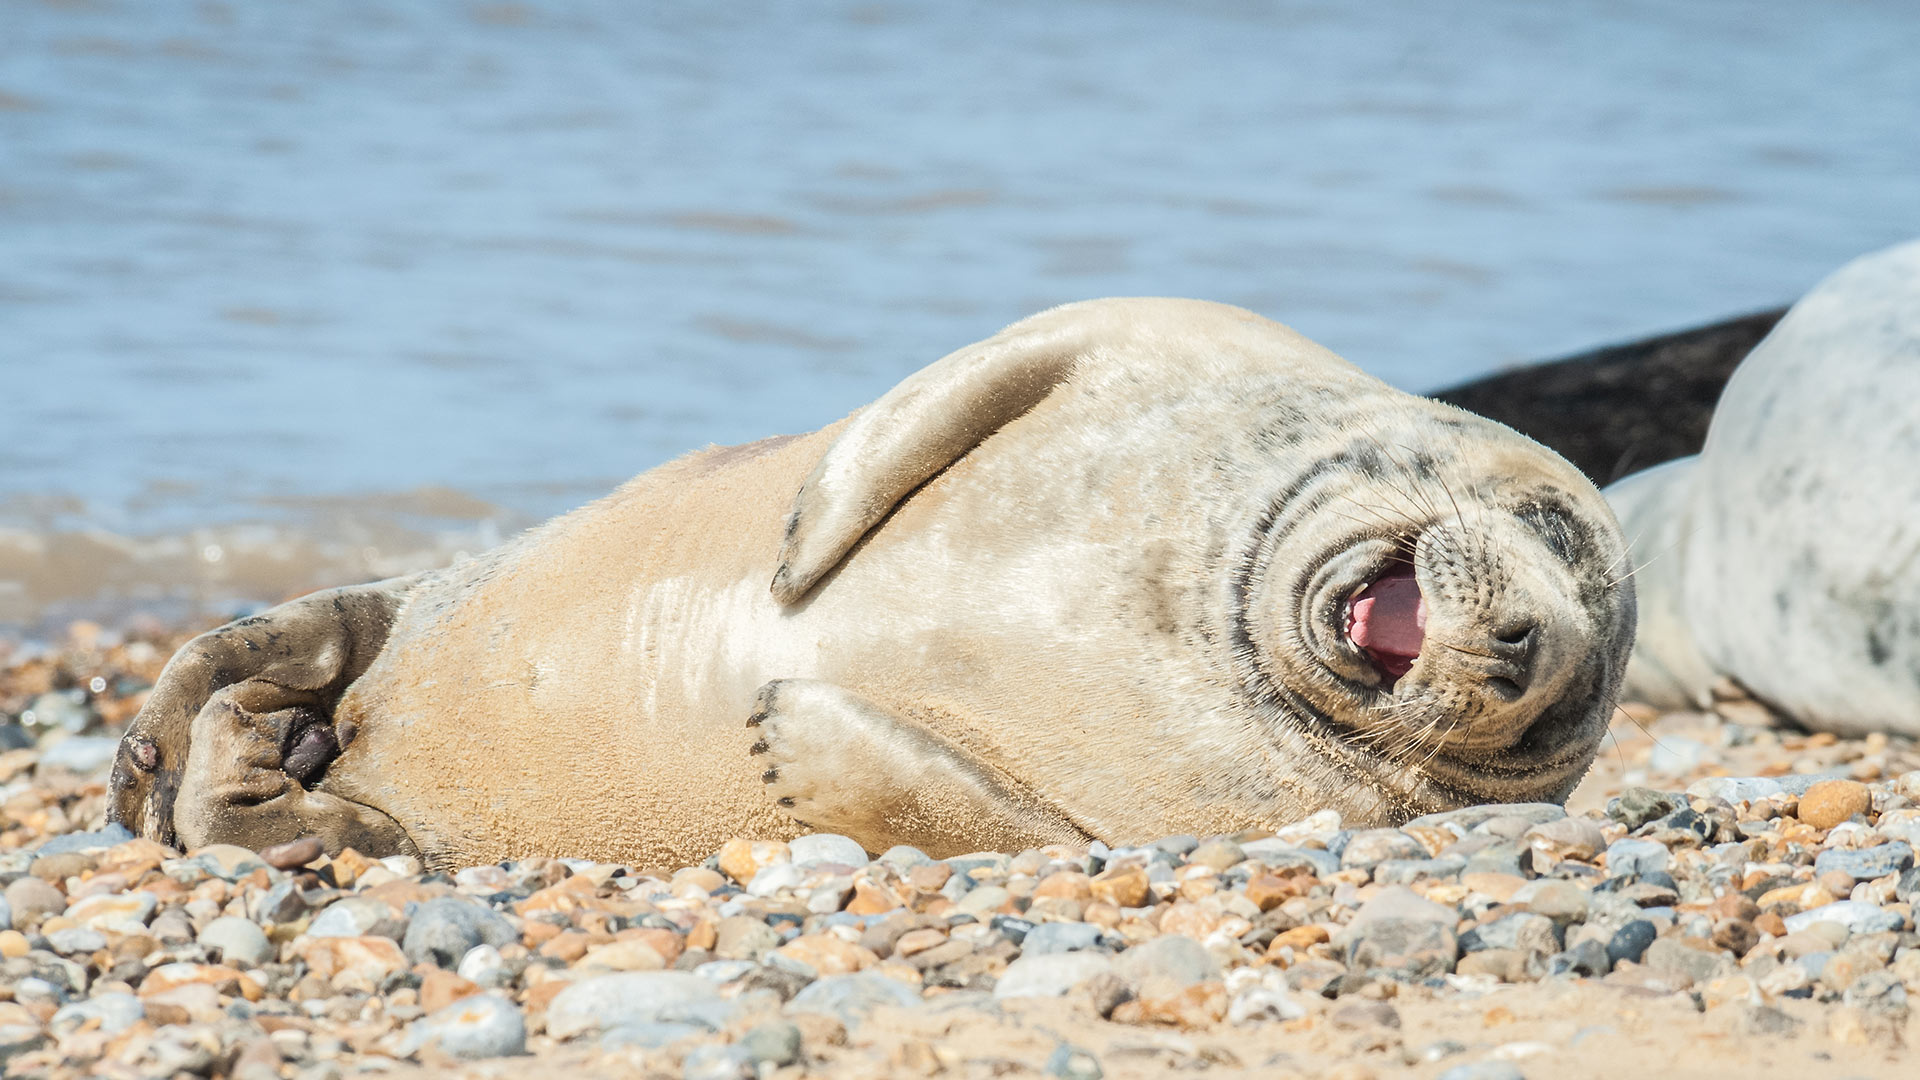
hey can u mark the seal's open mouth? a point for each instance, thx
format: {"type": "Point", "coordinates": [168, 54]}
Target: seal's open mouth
{"type": "Point", "coordinates": [1387, 620]}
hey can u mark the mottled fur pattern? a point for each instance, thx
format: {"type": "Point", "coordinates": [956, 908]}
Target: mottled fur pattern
{"type": "Point", "coordinates": [1083, 579]}
{"type": "Point", "coordinates": [1786, 555]}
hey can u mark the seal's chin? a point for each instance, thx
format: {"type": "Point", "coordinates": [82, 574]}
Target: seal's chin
{"type": "Point", "coordinates": [1387, 622]}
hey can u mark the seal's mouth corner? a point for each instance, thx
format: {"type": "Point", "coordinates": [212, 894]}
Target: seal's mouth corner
{"type": "Point", "coordinates": [1387, 620]}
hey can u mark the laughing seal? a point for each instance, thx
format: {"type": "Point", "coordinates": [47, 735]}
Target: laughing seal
{"type": "Point", "coordinates": [1786, 555]}
{"type": "Point", "coordinates": [1128, 568]}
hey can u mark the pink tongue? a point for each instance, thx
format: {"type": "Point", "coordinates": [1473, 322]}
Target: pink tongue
{"type": "Point", "coordinates": [1389, 620]}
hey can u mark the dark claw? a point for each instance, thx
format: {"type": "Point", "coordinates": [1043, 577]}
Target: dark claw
{"type": "Point", "coordinates": [770, 776]}
{"type": "Point", "coordinates": [760, 747]}
{"type": "Point", "coordinates": [786, 801]}
{"type": "Point", "coordinates": [754, 718]}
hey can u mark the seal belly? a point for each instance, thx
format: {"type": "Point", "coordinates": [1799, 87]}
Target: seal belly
{"type": "Point", "coordinates": [593, 676]}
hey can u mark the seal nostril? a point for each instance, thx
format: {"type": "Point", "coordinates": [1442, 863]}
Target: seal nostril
{"type": "Point", "coordinates": [1505, 689]}
{"type": "Point", "coordinates": [1522, 634]}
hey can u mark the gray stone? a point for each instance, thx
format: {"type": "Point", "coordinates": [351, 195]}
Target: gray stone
{"type": "Point", "coordinates": [1561, 901]}
{"type": "Point", "coordinates": [357, 916]}
{"type": "Point", "coordinates": [1907, 889]}
{"type": "Point", "coordinates": [1857, 916]}
{"type": "Point", "coordinates": [743, 937]}
{"type": "Point", "coordinates": [901, 858]}
{"type": "Point", "coordinates": [1669, 957]}
{"type": "Point", "coordinates": [1524, 930]}
{"type": "Point", "coordinates": [443, 930]}
{"type": "Point", "coordinates": [1588, 958]}
{"type": "Point", "coordinates": [650, 1034]}
{"type": "Point", "coordinates": [1468, 817]}
{"type": "Point", "coordinates": [1416, 947]}
{"type": "Point", "coordinates": [1050, 975]}
{"type": "Point", "coordinates": [78, 940]}
{"type": "Point", "coordinates": [608, 1001]}
{"type": "Point", "coordinates": [1408, 871]}
{"type": "Point", "coordinates": [112, 835]}
{"type": "Point", "coordinates": [14, 737]}
{"type": "Point", "coordinates": [1500, 857]}
{"type": "Point", "coordinates": [1168, 958]}
{"type": "Point", "coordinates": [1279, 855]}
{"type": "Point", "coordinates": [1866, 864]}
{"type": "Point", "coordinates": [850, 998]}
{"type": "Point", "coordinates": [479, 1026]}
{"type": "Point", "coordinates": [1369, 847]}
{"type": "Point", "coordinates": [1397, 903]}
{"type": "Point", "coordinates": [83, 754]}
{"type": "Point", "coordinates": [17, 1039]}
{"type": "Point", "coordinates": [229, 862]}
{"type": "Point", "coordinates": [1638, 805]}
{"type": "Point", "coordinates": [1630, 941]}
{"type": "Point", "coordinates": [1637, 858]}
{"type": "Point", "coordinates": [115, 1012]}
{"type": "Point", "coordinates": [1878, 992]}
{"type": "Point", "coordinates": [815, 849]}
{"type": "Point", "coordinates": [240, 942]}
{"type": "Point", "coordinates": [1058, 937]}
{"type": "Point", "coordinates": [775, 1042]}
{"type": "Point", "coordinates": [6, 914]}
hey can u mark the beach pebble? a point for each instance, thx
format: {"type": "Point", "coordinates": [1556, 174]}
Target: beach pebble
{"type": "Point", "coordinates": [1830, 802]}
{"type": "Point", "coordinates": [118, 913]}
{"type": "Point", "coordinates": [850, 998]}
{"type": "Point", "coordinates": [444, 930]}
{"type": "Point", "coordinates": [478, 1026]}
{"type": "Point", "coordinates": [30, 899]}
{"type": "Point", "coordinates": [236, 941]}
{"type": "Point", "coordinates": [1856, 916]}
{"type": "Point", "coordinates": [608, 1001]}
{"type": "Point", "coordinates": [357, 916]}
{"type": "Point", "coordinates": [1866, 863]}
{"type": "Point", "coordinates": [1051, 975]}
{"type": "Point", "coordinates": [1171, 959]}
{"type": "Point", "coordinates": [113, 1013]}
{"type": "Point", "coordinates": [1059, 937]}
{"type": "Point", "coordinates": [817, 849]}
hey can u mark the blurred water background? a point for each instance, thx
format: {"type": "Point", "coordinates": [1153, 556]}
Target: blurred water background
{"type": "Point", "coordinates": [298, 294]}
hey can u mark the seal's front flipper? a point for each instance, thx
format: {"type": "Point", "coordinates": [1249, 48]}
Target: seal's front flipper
{"type": "Point", "coordinates": [840, 763]}
{"type": "Point", "coordinates": [917, 429]}
{"type": "Point", "coordinates": [241, 723]}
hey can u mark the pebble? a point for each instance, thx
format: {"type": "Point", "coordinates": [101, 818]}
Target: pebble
{"type": "Point", "coordinates": [1864, 864]}
{"type": "Point", "coordinates": [1170, 958]}
{"type": "Point", "coordinates": [83, 754]}
{"type": "Point", "coordinates": [444, 930]}
{"type": "Point", "coordinates": [1830, 802]}
{"type": "Point", "coordinates": [851, 998]}
{"type": "Point", "coordinates": [236, 941]}
{"type": "Point", "coordinates": [480, 1026]}
{"type": "Point", "coordinates": [119, 913]}
{"type": "Point", "coordinates": [1051, 975]}
{"type": "Point", "coordinates": [609, 1001]}
{"type": "Point", "coordinates": [357, 916]}
{"type": "Point", "coordinates": [1856, 916]}
{"type": "Point", "coordinates": [826, 848]}
{"type": "Point", "coordinates": [112, 1013]}
{"type": "Point", "coordinates": [1059, 937]}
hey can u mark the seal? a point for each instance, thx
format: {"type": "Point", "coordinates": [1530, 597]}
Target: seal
{"type": "Point", "coordinates": [1126, 569]}
{"type": "Point", "coordinates": [1786, 554]}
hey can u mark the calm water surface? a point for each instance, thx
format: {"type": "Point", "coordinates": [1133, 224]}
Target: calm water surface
{"type": "Point", "coordinates": [299, 293]}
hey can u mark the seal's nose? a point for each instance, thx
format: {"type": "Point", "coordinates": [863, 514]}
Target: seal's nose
{"type": "Point", "coordinates": [1513, 648]}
